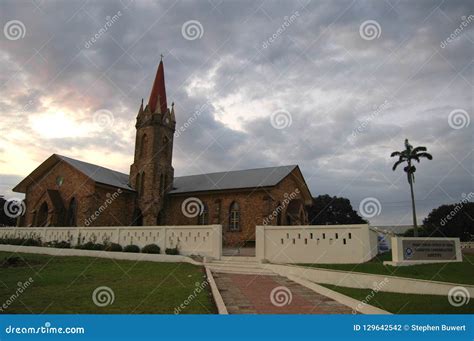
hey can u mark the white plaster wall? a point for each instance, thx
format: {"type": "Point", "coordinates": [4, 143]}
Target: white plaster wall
{"type": "Point", "coordinates": [204, 240]}
{"type": "Point", "coordinates": [323, 244]}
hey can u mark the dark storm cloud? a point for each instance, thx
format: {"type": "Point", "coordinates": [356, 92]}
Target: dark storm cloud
{"type": "Point", "coordinates": [316, 67]}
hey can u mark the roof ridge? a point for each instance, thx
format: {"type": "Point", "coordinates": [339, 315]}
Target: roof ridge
{"type": "Point", "coordinates": [238, 170]}
{"type": "Point", "coordinates": [92, 164]}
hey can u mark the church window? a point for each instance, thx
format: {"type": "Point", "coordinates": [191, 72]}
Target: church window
{"type": "Point", "coordinates": [43, 215]}
{"type": "Point", "coordinates": [142, 183]}
{"type": "Point", "coordinates": [72, 213]}
{"type": "Point", "coordinates": [137, 184]}
{"type": "Point", "coordinates": [162, 184]}
{"type": "Point", "coordinates": [279, 209]}
{"type": "Point", "coordinates": [203, 218]}
{"type": "Point", "coordinates": [143, 145]}
{"type": "Point", "coordinates": [234, 217]}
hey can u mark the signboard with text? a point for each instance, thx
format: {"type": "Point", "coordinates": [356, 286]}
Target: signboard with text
{"type": "Point", "coordinates": [424, 249]}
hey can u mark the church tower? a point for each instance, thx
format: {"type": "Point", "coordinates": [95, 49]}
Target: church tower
{"type": "Point", "coordinates": [151, 173]}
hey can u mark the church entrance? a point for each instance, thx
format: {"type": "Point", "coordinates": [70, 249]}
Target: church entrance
{"type": "Point", "coordinates": [234, 249]}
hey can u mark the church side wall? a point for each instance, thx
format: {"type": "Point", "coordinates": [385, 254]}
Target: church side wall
{"type": "Point", "coordinates": [110, 207]}
{"type": "Point", "coordinates": [255, 206]}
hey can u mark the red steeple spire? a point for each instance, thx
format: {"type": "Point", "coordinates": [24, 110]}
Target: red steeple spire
{"type": "Point", "coordinates": [158, 90]}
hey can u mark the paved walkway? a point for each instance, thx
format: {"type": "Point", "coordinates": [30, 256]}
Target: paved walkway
{"type": "Point", "coordinates": [260, 294]}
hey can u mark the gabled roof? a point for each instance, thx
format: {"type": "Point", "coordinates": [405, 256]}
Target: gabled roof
{"type": "Point", "coordinates": [98, 174]}
{"type": "Point", "coordinates": [249, 178]}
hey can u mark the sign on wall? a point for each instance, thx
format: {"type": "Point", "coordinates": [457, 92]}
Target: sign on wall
{"type": "Point", "coordinates": [383, 242]}
{"type": "Point", "coordinates": [429, 249]}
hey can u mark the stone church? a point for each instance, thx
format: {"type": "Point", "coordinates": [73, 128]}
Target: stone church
{"type": "Point", "coordinates": [63, 191]}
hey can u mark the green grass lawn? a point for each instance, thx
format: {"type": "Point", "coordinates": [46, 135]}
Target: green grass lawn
{"type": "Point", "coordinates": [405, 303]}
{"type": "Point", "coordinates": [66, 284]}
{"type": "Point", "coordinates": [462, 272]}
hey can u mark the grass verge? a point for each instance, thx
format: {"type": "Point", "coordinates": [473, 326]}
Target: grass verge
{"type": "Point", "coordinates": [444, 272]}
{"type": "Point", "coordinates": [63, 285]}
{"type": "Point", "coordinates": [405, 303]}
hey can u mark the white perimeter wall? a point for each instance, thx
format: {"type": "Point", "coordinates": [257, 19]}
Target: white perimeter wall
{"type": "Point", "coordinates": [324, 244]}
{"type": "Point", "coordinates": [204, 240]}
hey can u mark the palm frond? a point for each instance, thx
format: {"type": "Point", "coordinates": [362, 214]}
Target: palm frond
{"type": "Point", "coordinates": [395, 154]}
{"type": "Point", "coordinates": [418, 149]}
{"type": "Point", "coordinates": [426, 155]}
{"type": "Point", "coordinates": [395, 165]}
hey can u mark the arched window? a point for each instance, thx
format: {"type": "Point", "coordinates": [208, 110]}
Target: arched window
{"type": "Point", "coordinates": [279, 210]}
{"type": "Point", "coordinates": [162, 183]}
{"type": "Point", "coordinates": [137, 218]}
{"type": "Point", "coordinates": [203, 218]}
{"type": "Point", "coordinates": [43, 215]}
{"type": "Point", "coordinates": [72, 213]}
{"type": "Point", "coordinates": [143, 145]}
{"type": "Point", "coordinates": [137, 184]}
{"type": "Point", "coordinates": [234, 217]}
{"type": "Point", "coordinates": [142, 183]}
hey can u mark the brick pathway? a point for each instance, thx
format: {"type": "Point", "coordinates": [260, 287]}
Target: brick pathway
{"type": "Point", "coordinates": [250, 294]}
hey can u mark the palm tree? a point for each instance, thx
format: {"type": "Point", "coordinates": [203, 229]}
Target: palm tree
{"type": "Point", "coordinates": [409, 155]}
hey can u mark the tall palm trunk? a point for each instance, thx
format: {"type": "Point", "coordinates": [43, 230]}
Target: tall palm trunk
{"type": "Point", "coordinates": [410, 181]}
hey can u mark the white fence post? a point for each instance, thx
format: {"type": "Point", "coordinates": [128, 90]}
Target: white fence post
{"type": "Point", "coordinates": [217, 241]}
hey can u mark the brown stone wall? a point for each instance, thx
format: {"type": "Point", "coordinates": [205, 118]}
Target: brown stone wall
{"type": "Point", "coordinates": [89, 198]}
{"type": "Point", "coordinates": [110, 207]}
{"type": "Point", "coordinates": [75, 184]}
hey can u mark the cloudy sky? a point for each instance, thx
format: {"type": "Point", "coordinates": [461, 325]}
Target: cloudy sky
{"type": "Point", "coordinates": [333, 86]}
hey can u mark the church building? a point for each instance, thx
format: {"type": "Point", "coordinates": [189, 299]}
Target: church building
{"type": "Point", "coordinates": [63, 191]}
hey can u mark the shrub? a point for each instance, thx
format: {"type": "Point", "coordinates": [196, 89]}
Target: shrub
{"type": "Point", "coordinates": [21, 241]}
{"type": "Point", "coordinates": [32, 242]}
{"type": "Point", "coordinates": [131, 248]}
{"type": "Point", "coordinates": [86, 246]}
{"type": "Point", "coordinates": [113, 247]}
{"type": "Point", "coordinates": [98, 247]}
{"type": "Point", "coordinates": [151, 248]}
{"type": "Point", "coordinates": [172, 251]}
{"type": "Point", "coordinates": [60, 245]}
